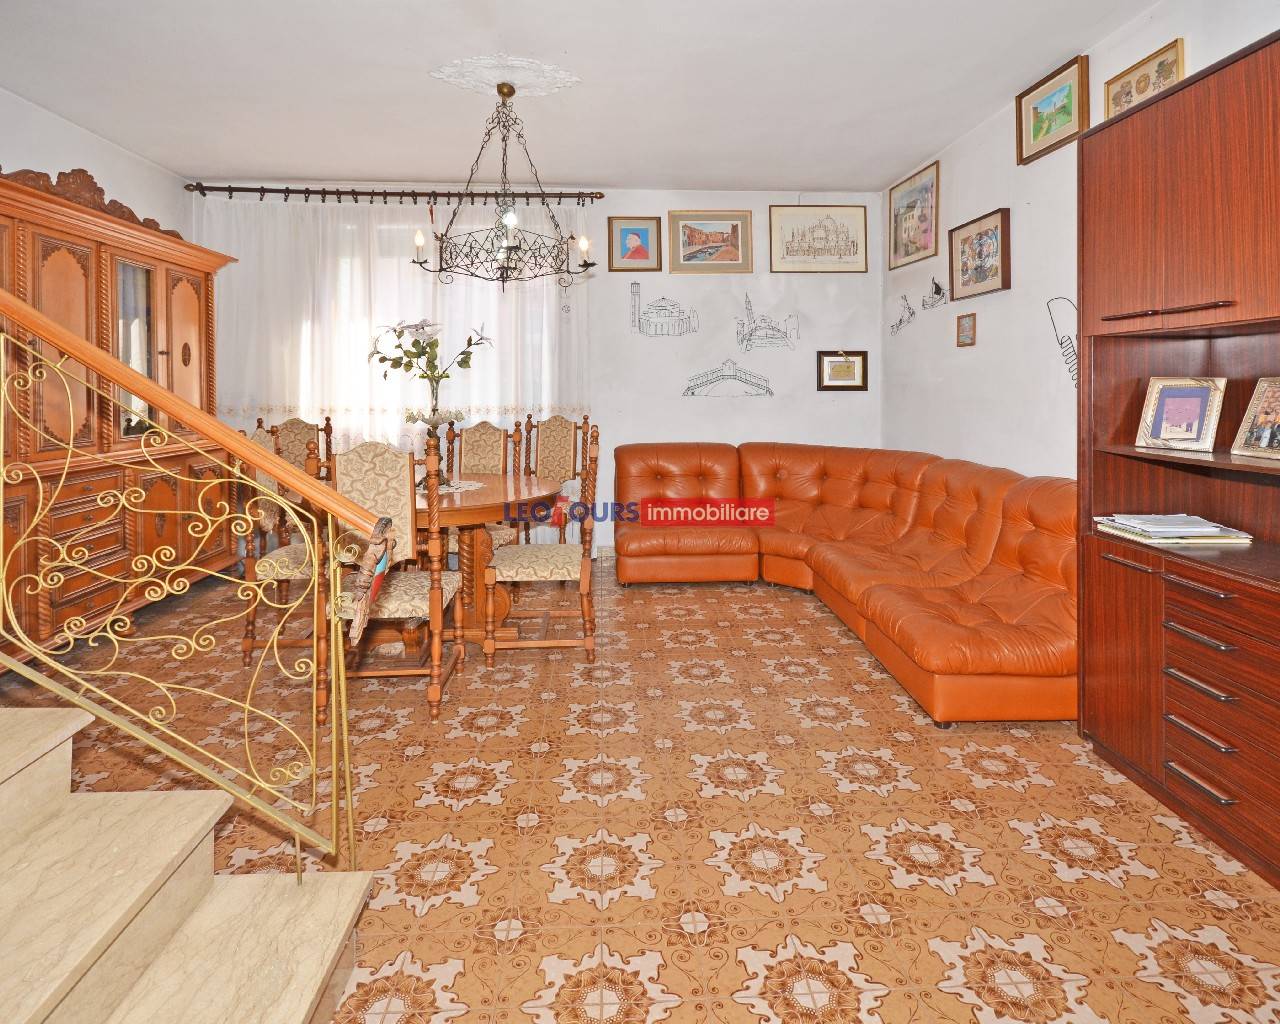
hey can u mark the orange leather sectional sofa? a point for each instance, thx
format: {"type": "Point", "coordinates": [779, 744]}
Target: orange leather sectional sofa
{"type": "Point", "coordinates": [960, 578]}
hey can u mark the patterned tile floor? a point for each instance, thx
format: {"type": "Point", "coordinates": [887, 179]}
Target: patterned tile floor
{"type": "Point", "coordinates": [735, 815]}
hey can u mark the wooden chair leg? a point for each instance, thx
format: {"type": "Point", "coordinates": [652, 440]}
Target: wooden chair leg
{"type": "Point", "coordinates": [435, 688]}
{"type": "Point", "coordinates": [459, 634]}
{"type": "Point", "coordinates": [490, 584]}
{"type": "Point", "coordinates": [282, 591]}
{"type": "Point", "coordinates": [588, 620]}
{"type": "Point", "coordinates": [249, 641]}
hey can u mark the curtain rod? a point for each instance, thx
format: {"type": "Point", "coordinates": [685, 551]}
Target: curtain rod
{"type": "Point", "coordinates": [355, 195]}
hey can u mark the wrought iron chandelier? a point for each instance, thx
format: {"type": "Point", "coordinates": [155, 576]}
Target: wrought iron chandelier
{"type": "Point", "coordinates": [506, 251]}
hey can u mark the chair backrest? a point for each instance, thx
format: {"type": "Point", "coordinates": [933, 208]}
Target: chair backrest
{"type": "Point", "coordinates": [294, 435]}
{"type": "Point", "coordinates": [380, 478]}
{"type": "Point", "coordinates": [258, 503]}
{"type": "Point", "coordinates": [553, 446]}
{"type": "Point", "coordinates": [479, 448]}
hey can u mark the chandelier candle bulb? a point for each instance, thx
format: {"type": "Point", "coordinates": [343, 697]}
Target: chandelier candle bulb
{"type": "Point", "coordinates": [419, 240]}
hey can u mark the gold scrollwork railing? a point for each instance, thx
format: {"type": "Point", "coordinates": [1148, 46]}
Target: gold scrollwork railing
{"type": "Point", "coordinates": [123, 592]}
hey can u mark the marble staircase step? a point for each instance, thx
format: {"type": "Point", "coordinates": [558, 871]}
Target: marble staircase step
{"type": "Point", "coordinates": [90, 894]}
{"type": "Point", "coordinates": [35, 763]}
{"type": "Point", "coordinates": [257, 948]}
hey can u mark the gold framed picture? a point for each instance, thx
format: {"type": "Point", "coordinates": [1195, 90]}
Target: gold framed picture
{"type": "Point", "coordinates": [980, 260]}
{"type": "Point", "coordinates": [966, 330]}
{"type": "Point", "coordinates": [841, 370]}
{"type": "Point", "coordinates": [709, 241]}
{"type": "Point", "coordinates": [1181, 412]}
{"type": "Point", "coordinates": [913, 218]}
{"type": "Point", "coordinates": [1149, 77]}
{"type": "Point", "coordinates": [817, 239]}
{"type": "Point", "coordinates": [1054, 111]}
{"type": "Point", "coordinates": [635, 243]}
{"type": "Point", "coordinates": [1259, 434]}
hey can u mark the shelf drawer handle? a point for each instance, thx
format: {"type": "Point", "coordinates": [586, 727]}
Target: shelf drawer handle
{"type": "Point", "coordinates": [1131, 565]}
{"type": "Point", "coordinates": [1199, 588]}
{"type": "Point", "coordinates": [1195, 307]}
{"type": "Point", "coordinates": [1193, 779]}
{"type": "Point", "coordinates": [1137, 314]}
{"type": "Point", "coordinates": [1212, 692]}
{"type": "Point", "coordinates": [1199, 638]}
{"type": "Point", "coordinates": [1200, 734]}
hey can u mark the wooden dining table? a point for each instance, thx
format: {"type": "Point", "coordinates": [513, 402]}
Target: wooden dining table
{"type": "Point", "coordinates": [468, 503]}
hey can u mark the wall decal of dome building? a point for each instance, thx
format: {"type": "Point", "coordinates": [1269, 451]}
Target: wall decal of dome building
{"type": "Point", "coordinates": [661, 318]}
{"type": "Point", "coordinates": [765, 332]}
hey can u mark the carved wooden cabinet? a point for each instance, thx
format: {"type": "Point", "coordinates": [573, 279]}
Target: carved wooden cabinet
{"type": "Point", "coordinates": [145, 296]}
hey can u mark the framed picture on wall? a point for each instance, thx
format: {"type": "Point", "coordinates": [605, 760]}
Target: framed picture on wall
{"type": "Point", "coordinates": [980, 255]}
{"type": "Point", "coordinates": [841, 370]}
{"type": "Point", "coordinates": [635, 243]}
{"type": "Point", "coordinates": [1181, 412]}
{"type": "Point", "coordinates": [1054, 111]}
{"type": "Point", "coordinates": [818, 239]}
{"type": "Point", "coordinates": [709, 241]}
{"type": "Point", "coordinates": [913, 218]}
{"type": "Point", "coordinates": [1149, 77]}
{"type": "Point", "coordinates": [966, 330]}
{"type": "Point", "coordinates": [1259, 434]}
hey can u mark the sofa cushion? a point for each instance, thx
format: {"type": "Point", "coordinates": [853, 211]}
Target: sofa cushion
{"type": "Point", "coordinates": [833, 493]}
{"type": "Point", "coordinates": [1017, 616]}
{"type": "Point", "coordinates": [784, 543]}
{"type": "Point", "coordinates": [635, 541]}
{"type": "Point", "coordinates": [675, 470]}
{"type": "Point", "coordinates": [951, 537]}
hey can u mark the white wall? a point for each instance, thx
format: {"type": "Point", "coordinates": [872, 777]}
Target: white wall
{"type": "Point", "coordinates": [36, 139]}
{"type": "Point", "coordinates": [1009, 401]}
{"type": "Point", "coordinates": [637, 381]}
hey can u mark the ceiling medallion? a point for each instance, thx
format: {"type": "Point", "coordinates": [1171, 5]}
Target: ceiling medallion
{"type": "Point", "coordinates": [483, 74]}
{"type": "Point", "coordinates": [506, 251]}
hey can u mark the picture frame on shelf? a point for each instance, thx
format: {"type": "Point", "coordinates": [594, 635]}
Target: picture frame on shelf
{"type": "Point", "coordinates": [807, 239]}
{"type": "Point", "coordinates": [1259, 433]}
{"type": "Point", "coordinates": [1181, 413]}
{"type": "Point", "coordinates": [1148, 77]}
{"type": "Point", "coordinates": [842, 370]}
{"type": "Point", "coordinates": [980, 256]}
{"type": "Point", "coordinates": [966, 330]}
{"type": "Point", "coordinates": [635, 244]}
{"type": "Point", "coordinates": [709, 242]}
{"type": "Point", "coordinates": [913, 217]}
{"type": "Point", "coordinates": [1053, 112]}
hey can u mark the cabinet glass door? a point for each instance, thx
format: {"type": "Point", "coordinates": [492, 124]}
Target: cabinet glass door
{"type": "Point", "coordinates": [134, 341]}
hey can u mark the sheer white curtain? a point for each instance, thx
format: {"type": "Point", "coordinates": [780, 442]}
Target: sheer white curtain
{"type": "Point", "coordinates": [314, 283]}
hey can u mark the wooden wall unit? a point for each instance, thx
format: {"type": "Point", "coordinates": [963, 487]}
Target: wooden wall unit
{"type": "Point", "coordinates": [1180, 276]}
{"type": "Point", "coordinates": [146, 297]}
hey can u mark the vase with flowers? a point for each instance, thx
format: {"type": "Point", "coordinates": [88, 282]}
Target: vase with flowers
{"type": "Point", "coordinates": [414, 348]}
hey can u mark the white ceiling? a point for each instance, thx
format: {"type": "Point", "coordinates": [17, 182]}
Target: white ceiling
{"type": "Point", "coordinates": [800, 95]}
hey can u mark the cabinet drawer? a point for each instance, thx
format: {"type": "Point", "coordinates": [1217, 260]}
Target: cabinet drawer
{"type": "Point", "coordinates": [83, 580]}
{"type": "Point", "coordinates": [87, 605]}
{"type": "Point", "coordinates": [1192, 642]}
{"type": "Point", "coordinates": [107, 541]}
{"type": "Point", "coordinates": [1223, 601]}
{"type": "Point", "coordinates": [1230, 790]}
{"type": "Point", "coordinates": [70, 517]}
{"type": "Point", "coordinates": [1222, 708]}
{"type": "Point", "coordinates": [89, 485]}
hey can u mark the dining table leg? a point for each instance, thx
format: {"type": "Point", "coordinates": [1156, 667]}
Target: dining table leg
{"type": "Point", "coordinates": [475, 549]}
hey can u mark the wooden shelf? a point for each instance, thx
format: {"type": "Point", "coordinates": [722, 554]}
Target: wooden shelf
{"type": "Point", "coordinates": [1206, 460]}
{"type": "Point", "coordinates": [1258, 562]}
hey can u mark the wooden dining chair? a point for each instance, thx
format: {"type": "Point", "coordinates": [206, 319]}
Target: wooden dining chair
{"type": "Point", "coordinates": [531, 563]}
{"type": "Point", "coordinates": [381, 479]}
{"type": "Point", "coordinates": [556, 449]}
{"type": "Point", "coordinates": [266, 506]}
{"type": "Point", "coordinates": [482, 448]}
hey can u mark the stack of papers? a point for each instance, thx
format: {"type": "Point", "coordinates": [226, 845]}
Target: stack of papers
{"type": "Point", "coordinates": [1178, 529]}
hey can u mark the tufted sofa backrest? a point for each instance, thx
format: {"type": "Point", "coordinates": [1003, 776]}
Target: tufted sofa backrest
{"type": "Point", "coordinates": [835, 493]}
{"type": "Point", "coordinates": [675, 470]}
{"type": "Point", "coordinates": [1038, 531]}
{"type": "Point", "coordinates": [958, 515]}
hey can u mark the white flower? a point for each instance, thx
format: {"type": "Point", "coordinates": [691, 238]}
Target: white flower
{"type": "Point", "coordinates": [821, 809]}
{"type": "Point", "coordinates": [415, 751]}
{"type": "Point", "coordinates": [376, 824]}
{"type": "Point", "coordinates": [784, 739]}
{"type": "Point", "coordinates": [663, 744]}
{"type": "Point", "coordinates": [540, 747]}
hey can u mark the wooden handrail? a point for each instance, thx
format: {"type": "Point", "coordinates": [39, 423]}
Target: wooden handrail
{"type": "Point", "coordinates": [208, 427]}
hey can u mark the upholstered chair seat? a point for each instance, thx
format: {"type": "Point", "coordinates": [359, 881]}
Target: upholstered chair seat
{"type": "Point", "coordinates": [529, 563]}
{"type": "Point", "coordinates": [500, 534]}
{"type": "Point", "coordinates": [292, 562]}
{"type": "Point", "coordinates": [404, 595]}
